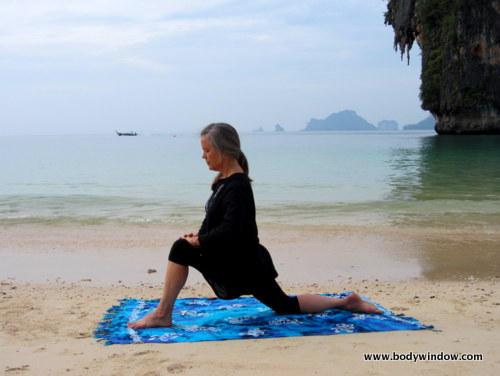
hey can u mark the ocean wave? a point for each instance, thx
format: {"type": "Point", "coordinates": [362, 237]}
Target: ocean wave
{"type": "Point", "coordinates": [101, 210]}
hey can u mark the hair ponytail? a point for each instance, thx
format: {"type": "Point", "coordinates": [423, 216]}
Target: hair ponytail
{"type": "Point", "coordinates": [243, 162]}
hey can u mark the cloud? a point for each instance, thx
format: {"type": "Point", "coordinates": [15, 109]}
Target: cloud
{"type": "Point", "coordinates": [112, 24]}
{"type": "Point", "coordinates": [101, 35]}
{"type": "Point", "coordinates": [244, 59]}
{"type": "Point", "coordinates": [148, 64]}
{"type": "Point", "coordinates": [116, 24]}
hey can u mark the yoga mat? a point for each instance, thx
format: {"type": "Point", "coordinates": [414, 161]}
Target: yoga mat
{"type": "Point", "coordinates": [204, 319]}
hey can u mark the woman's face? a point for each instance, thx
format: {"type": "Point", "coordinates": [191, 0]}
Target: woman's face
{"type": "Point", "coordinates": [211, 155]}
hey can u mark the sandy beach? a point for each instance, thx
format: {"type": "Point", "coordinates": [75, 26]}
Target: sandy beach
{"type": "Point", "coordinates": [58, 281]}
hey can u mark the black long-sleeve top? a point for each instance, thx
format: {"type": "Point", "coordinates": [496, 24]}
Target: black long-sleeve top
{"type": "Point", "coordinates": [229, 237]}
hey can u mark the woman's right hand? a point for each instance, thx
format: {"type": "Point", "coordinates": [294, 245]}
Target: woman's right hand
{"type": "Point", "coordinates": [192, 239]}
{"type": "Point", "coordinates": [188, 236]}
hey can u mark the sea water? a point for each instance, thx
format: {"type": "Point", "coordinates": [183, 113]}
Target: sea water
{"type": "Point", "coordinates": [399, 180]}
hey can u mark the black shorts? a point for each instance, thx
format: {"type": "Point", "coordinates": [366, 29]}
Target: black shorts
{"type": "Point", "coordinates": [267, 290]}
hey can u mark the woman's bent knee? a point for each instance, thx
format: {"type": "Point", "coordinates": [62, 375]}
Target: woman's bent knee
{"type": "Point", "coordinates": [179, 252]}
{"type": "Point", "coordinates": [183, 253]}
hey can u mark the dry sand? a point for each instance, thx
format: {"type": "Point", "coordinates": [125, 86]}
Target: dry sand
{"type": "Point", "coordinates": [56, 283]}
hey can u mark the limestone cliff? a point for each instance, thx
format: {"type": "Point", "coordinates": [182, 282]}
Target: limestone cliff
{"type": "Point", "coordinates": [460, 43]}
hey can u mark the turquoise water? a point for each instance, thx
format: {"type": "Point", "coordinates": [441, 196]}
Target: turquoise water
{"type": "Point", "coordinates": [399, 180]}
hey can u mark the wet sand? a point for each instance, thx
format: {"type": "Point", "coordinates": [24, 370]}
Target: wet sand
{"type": "Point", "coordinates": [56, 283]}
{"type": "Point", "coordinates": [107, 254]}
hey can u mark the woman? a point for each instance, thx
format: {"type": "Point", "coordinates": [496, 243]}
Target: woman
{"type": "Point", "coordinates": [226, 250]}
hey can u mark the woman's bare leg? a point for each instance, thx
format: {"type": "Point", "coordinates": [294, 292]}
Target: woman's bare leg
{"type": "Point", "coordinates": [175, 279]}
{"type": "Point", "coordinates": [310, 303]}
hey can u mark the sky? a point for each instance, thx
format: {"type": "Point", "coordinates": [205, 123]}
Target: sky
{"type": "Point", "coordinates": [170, 66]}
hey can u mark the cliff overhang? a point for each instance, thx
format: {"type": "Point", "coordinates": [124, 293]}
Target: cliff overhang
{"type": "Point", "coordinates": [460, 43]}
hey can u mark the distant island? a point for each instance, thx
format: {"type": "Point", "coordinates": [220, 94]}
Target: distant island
{"type": "Point", "coordinates": [349, 120]}
{"type": "Point", "coordinates": [346, 120]}
{"type": "Point", "coordinates": [427, 123]}
{"type": "Point", "coordinates": [388, 125]}
{"type": "Point", "coordinates": [277, 128]}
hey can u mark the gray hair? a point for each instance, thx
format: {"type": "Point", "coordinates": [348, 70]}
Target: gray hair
{"type": "Point", "coordinates": [224, 138]}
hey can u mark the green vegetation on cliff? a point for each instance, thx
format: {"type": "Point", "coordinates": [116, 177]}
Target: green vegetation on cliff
{"type": "Point", "coordinates": [439, 20]}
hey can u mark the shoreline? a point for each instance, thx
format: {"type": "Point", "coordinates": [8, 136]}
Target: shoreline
{"type": "Point", "coordinates": [122, 254]}
{"type": "Point", "coordinates": [56, 283]}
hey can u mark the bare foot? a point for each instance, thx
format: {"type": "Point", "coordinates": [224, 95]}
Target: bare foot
{"type": "Point", "coordinates": [151, 320]}
{"type": "Point", "coordinates": [354, 303]}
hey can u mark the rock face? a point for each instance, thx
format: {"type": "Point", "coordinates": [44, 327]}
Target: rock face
{"type": "Point", "coordinates": [460, 42]}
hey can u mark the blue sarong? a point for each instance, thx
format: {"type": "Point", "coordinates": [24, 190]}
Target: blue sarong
{"type": "Point", "coordinates": [205, 319]}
